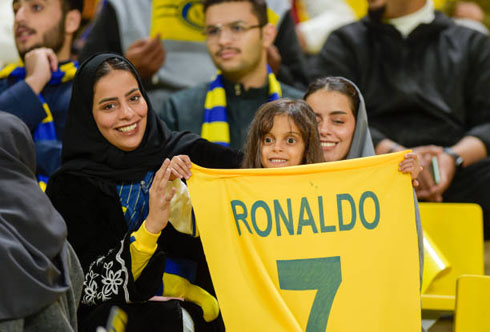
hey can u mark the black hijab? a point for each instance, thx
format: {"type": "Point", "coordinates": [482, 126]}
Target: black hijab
{"type": "Point", "coordinates": [86, 151]}
{"type": "Point", "coordinates": [32, 233]}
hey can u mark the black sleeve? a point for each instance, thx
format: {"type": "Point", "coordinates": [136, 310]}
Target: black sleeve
{"type": "Point", "coordinates": [211, 155]}
{"type": "Point", "coordinates": [336, 58]}
{"type": "Point", "coordinates": [477, 92]}
{"type": "Point", "coordinates": [293, 70]}
{"type": "Point", "coordinates": [376, 135]}
{"type": "Point", "coordinates": [98, 233]}
{"type": "Point", "coordinates": [104, 36]}
{"type": "Point", "coordinates": [201, 151]}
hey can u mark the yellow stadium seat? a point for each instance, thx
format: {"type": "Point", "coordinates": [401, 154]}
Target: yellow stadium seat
{"type": "Point", "coordinates": [456, 229]}
{"type": "Point", "coordinates": [360, 7]}
{"type": "Point", "coordinates": [472, 304]}
{"type": "Point", "coordinates": [438, 4]}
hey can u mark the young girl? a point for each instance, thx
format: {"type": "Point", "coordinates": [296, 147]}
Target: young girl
{"type": "Point", "coordinates": [283, 133]}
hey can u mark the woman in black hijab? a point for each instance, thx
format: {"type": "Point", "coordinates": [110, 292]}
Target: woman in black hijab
{"type": "Point", "coordinates": [113, 149]}
{"type": "Point", "coordinates": [41, 278]}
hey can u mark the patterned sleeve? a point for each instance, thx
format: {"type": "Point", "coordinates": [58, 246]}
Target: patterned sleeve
{"type": "Point", "coordinates": [97, 231]}
{"type": "Point", "coordinates": [107, 278]}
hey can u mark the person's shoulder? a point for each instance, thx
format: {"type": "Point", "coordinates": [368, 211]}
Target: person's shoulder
{"type": "Point", "coordinates": [463, 36]}
{"type": "Point", "coordinates": [291, 92]}
{"type": "Point", "coordinates": [181, 109]}
{"type": "Point", "coordinates": [355, 34]}
{"type": "Point", "coordinates": [353, 29]}
{"type": "Point", "coordinates": [190, 95]}
{"type": "Point", "coordinates": [5, 83]}
{"type": "Point", "coordinates": [452, 27]}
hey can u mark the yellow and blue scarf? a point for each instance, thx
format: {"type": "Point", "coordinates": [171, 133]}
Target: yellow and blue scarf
{"type": "Point", "coordinates": [46, 130]}
{"type": "Point", "coordinates": [215, 127]}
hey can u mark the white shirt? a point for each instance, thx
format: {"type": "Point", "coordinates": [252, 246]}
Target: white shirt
{"type": "Point", "coordinates": [406, 24]}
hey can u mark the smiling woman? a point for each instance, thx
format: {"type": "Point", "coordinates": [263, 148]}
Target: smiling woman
{"type": "Point", "coordinates": [119, 110]}
{"type": "Point", "coordinates": [342, 118]}
{"type": "Point", "coordinates": [336, 123]}
{"type": "Point", "coordinates": [115, 194]}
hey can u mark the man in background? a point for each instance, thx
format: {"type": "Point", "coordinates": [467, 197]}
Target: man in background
{"type": "Point", "coordinates": [38, 90]}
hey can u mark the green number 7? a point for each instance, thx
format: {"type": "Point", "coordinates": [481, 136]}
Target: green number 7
{"type": "Point", "coordinates": [323, 274]}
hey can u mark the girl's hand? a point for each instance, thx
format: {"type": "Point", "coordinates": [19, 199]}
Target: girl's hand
{"type": "Point", "coordinates": [411, 165]}
{"type": "Point", "coordinates": [160, 197]}
{"type": "Point", "coordinates": [180, 167]}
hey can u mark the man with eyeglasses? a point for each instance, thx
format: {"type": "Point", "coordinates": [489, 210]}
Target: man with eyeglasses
{"type": "Point", "coordinates": [164, 41]}
{"type": "Point", "coordinates": [237, 37]}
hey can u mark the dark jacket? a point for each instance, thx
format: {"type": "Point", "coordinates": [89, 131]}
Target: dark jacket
{"type": "Point", "coordinates": [184, 110]}
{"type": "Point", "coordinates": [18, 99]}
{"type": "Point", "coordinates": [431, 88]}
{"type": "Point", "coordinates": [99, 234]}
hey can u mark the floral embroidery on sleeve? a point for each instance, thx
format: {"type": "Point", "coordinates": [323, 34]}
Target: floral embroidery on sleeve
{"type": "Point", "coordinates": [107, 278]}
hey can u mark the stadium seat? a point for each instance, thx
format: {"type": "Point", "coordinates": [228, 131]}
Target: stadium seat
{"type": "Point", "coordinates": [456, 230]}
{"type": "Point", "coordinates": [472, 304]}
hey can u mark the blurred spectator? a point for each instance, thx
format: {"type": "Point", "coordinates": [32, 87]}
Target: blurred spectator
{"type": "Point", "coordinates": [91, 8]}
{"type": "Point", "coordinates": [170, 54]}
{"type": "Point", "coordinates": [7, 43]}
{"type": "Point", "coordinates": [41, 279]}
{"type": "Point", "coordinates": [238, 37]}
{"type": "Point", "coordinates": [426, 84]}
{"type": "Point", "coordinates": [474, 14]}
{"type": "Point", "coordinates": [38, 90]}
{"type": "Point", "coordinates": [317, 18]}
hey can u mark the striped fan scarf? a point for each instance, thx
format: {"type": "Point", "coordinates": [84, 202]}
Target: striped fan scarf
{"type": "Point", "coordinates": [215, 127]}
{"type": "Point", "coordinates": [46, 130]}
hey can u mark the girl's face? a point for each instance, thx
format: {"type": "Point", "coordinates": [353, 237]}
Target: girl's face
{"type": "Point", "coordinates": [120, 110]}
{"type": "Point", "coordinates": [283, 145]}
{"type": "Point", "coordinates": [336, 122]}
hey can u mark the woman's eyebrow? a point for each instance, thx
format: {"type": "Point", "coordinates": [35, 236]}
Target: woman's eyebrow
{"type": "Point", "coordinates": [107, 99]}
{"type": "Point", "coordinates": [338, 112]}
{"type": "Point", "coordinates": [115, 98]}
{"type": "Point", "coordinates": [131, 91]}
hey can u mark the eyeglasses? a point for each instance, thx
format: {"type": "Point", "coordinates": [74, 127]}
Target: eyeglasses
{"type": "Point", "coordinates": [235, 30]}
